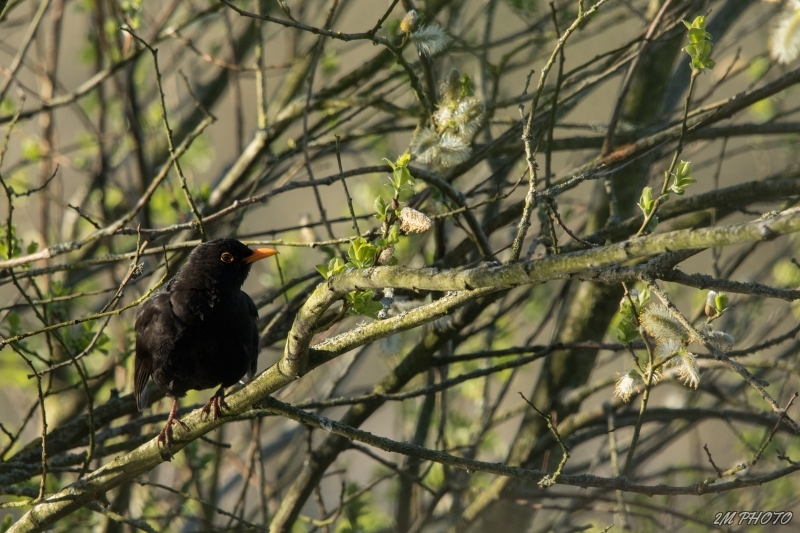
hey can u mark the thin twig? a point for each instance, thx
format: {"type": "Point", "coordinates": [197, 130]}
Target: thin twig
{"type": "Point", "coordinates": [189, 199]}
{"type": "Point", "coordinates": [551, 480]}
{"type": "Point", "coordinates": [43, 413]}
{"type": "Point", "coordinates": [554, 101]}
{"type": "Point", "coordinates": [678, 150]}
{"type": "Point", "coordinates": [93, 316]}
{"type": "Point", "coordinates": [527, 136]}
{"type": "Point", "coordinates": [608, 143]}
{"type": "Point", "coordinates": [35, 189]}
{"type": "Point", "coordinates": [23, 48]}
{"type": "Point", "coordinates": [344, 184]}
{"type": "Point", "coordinates": [711, 460]}
{"type": "Point", "coordinates": [756, 383]}
{"type": "Point", "coordinates": [551, 205]}
{"type": "Point", "coordinates": [312, 71]}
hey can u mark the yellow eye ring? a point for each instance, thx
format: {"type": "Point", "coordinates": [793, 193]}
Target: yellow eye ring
{"type": "Point", "coordinates": [226, 257]}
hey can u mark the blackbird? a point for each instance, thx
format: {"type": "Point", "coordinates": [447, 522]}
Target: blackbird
{"type": "Point", "coordinates": [199, 330]}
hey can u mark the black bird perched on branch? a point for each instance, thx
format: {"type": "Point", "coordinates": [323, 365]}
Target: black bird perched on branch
{"type": "Point", "coordinates": [199, 330]}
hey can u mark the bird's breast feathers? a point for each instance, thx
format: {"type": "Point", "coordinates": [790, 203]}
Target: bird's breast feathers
{"type": "Point", "coordinates": [192, 306]}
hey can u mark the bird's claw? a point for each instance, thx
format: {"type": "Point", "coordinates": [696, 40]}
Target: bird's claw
{"type": "Point", "coordinates": [165, 436]}
{"type": "Point", "coordinates": [215, 407]}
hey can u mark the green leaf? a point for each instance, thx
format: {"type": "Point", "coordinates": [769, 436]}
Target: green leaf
{"type": "Point", "coordinates": [401, 178]}
{"type": "Point", "coordinates": [698, 22]}
{"type": "Point", "coordinates": [102, 344]}
{"type": "Point", "coordinates": [626, 326]}
{"type": "Point", "coordinates": [380, 208]}
{"type": "Point", "coordinates": [466, 86]}
{"type": "Point", "coordinates": [394, 235]}
{"type": "Point", "coordinates": [696, 35]}
{"type": "Point", "coordinates": [362, 303]}
{"type": "Point", "coordinates": [646, 201]}
{"type": "Point", "coordinates": [361, 253]}
{"type": "Point", "coordinates": [13, 322]}
{"type": "Point", "coordinates": [700, 47]}
{"type": "Point", "coordinates": [371, 309]}
{"type": "Point", "coordinates": [757, 68]}
{"type": "Point", "coordinates": [626, 333]}
{"type": "Point", "coordinates": [31, 149]}
{"type": "Point", "coordinates": [7, 108]}
{"type": "Point", "coordinates": [682, 177]}
{"type": "Point", "coordinates": [330, 61]}
{"type": "Point", "coordinates": [335, 266]}
{"type": "Point", "coordinates": [721, 302]}
{"type": "Point", "coordinates": [642, 298]}
{"type": "Point", "coordinates": [15, 251]}
{"type": "Point", "coordinates": [684, 169]}
{"type": "Point", "coordinates": [527, 6]}
{"type": "Point", "coordinates": [651, 226]}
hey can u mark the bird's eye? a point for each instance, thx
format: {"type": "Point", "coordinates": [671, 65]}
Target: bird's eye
{"type": "Point", "coordinates": [226, 257]}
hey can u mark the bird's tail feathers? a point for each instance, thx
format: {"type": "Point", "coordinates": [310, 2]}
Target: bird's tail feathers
{"type": "Point", "coordinates": [141, 400]}
{"type": "Point", "coordinates": [248, 377]}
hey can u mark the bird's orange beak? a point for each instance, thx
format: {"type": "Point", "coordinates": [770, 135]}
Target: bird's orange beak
{"type": "Point", "coordinates": [260, 253]}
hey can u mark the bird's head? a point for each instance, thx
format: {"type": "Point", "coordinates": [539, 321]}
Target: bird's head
{"type": "Point", "coordinates": [226, 261]}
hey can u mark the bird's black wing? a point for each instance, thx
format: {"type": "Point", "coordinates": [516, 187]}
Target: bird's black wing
{"type": "Point", "coordinates": [143, 365]}
{"type": "Point", "coordinates": [157, 333]}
